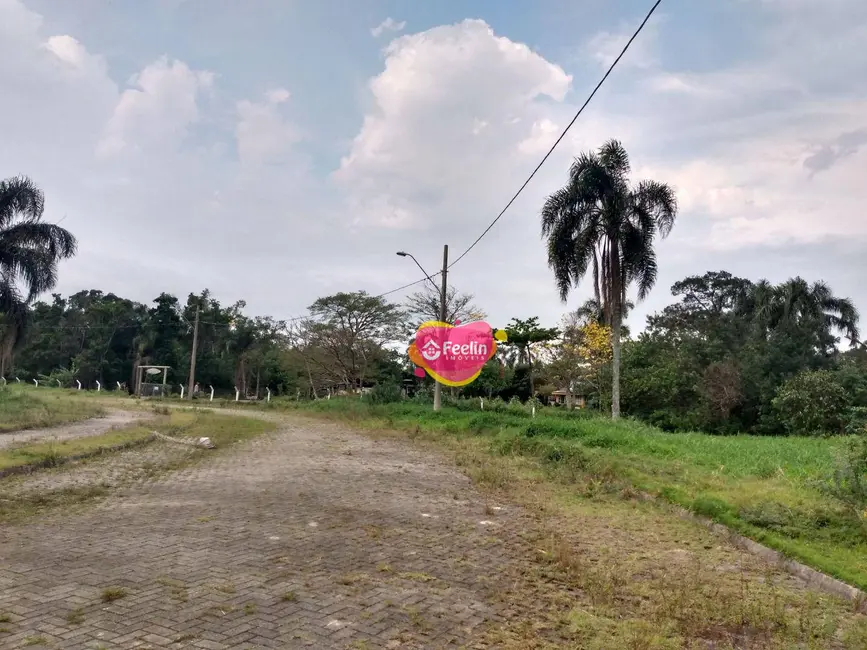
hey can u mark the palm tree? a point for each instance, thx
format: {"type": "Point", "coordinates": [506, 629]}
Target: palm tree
{"type": "Point", "coordinates": [29, 252]}
{"type": "Point", "coordinates": [599, 220]}
{"type": "Point", "coordinates": [591, 311]}
{"type": "Point", "coordinates": [798, 302]}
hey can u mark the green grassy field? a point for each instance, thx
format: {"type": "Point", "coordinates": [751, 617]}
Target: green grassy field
{"type": "Point", "coordinates": [769, 489]}
{"type": "Point", "coordinates": [32, 408]}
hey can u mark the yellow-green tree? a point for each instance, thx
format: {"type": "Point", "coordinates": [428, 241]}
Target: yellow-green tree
{"type": "Point", "coordinates": [583, 350]}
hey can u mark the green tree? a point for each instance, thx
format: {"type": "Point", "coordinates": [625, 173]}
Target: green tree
{"type": "Point", "coordinates": [523, 335]}
{"type": "Point", "coordinates": [345, 337]}
{"type": "Point", "coordinates": [600, 221]}
{"type": "Point", "coordinates": [29, 252]}
{"type": "Point", "coordinates": [796, 303]}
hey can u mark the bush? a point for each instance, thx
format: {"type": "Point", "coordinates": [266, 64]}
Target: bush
{"type": "Point", "coordinates": [811, 403]}
{"type": "Point", "coordinates": [849, 483]}
{"type": "Point", "coordinates": [385, 393]}
{"type": "Point", "coordinates": [856, 420]}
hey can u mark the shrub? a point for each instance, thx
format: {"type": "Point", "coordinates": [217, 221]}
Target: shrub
{"type": "Point", "coordinates": [849, 483]}
{"type": "Point", "coordinates": [856, 420]}
{"type": "Point", "coordinates": [385, 393]}
{"type": "Point", "coordinates": [811, 403]}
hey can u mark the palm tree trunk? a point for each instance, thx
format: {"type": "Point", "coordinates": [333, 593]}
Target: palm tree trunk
{"type": "Point", "coordinates": [615, 365]}
{"type": "Point", "coordinates": [616, 288]}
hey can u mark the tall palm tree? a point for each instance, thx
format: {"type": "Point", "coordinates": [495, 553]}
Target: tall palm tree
{"type": "Point", "coordinates": [599, 220]}
{"type": "Point", "coordinates": [29, 252]}
{"type": "Point", "coordinates": [796, 301]}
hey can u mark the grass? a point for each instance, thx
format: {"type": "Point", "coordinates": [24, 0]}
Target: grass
{"type": "Point", "coordinates": [768, 489]}
{"type": "Point", "coordinates": [75, 617]}
{"type": "Point", "coordinates": [112, 594]}
{"type": "Point", "coordinates": [222, 430]}
{"type": "Point", "coordinates": [32, 408]}
{"type": "Point", "coordinates": [54, 453]}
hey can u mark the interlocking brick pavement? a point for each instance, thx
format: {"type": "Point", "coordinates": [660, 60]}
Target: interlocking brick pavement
{"type": "Point", "coordinates": [311, 537]}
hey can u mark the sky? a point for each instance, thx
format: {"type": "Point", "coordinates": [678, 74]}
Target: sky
{"type": "Point", "coordinates": [281, 150]}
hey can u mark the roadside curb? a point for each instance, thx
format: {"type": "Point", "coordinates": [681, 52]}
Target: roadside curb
{"type": "Point", "coordinates": [812, 577]}
{"type": "Point", "coordinates": [46, 464]}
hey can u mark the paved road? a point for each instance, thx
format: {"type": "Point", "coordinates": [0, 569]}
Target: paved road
{"type": "Point", "coordinates": [309, 537]}
{"type": "Point", "coordinates": [91, 427]}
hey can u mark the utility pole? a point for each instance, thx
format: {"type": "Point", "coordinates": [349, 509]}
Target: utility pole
{"type": "Point", "coordinates": [193, 355]}
{"type": "Point", "coordinates": [437, 386]}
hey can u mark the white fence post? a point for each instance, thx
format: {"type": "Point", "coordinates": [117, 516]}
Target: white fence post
{"type": "Point", "coordinates": [212, 393]}
{"type": "Point", "coordinates": [534, 410]}
{"type": "Point", "coordinates": [3, 379]}
{"type": "Point", "coordinates": [182, 391]}
{"type": "Point", "coordinates": [59, 385]}
{"type": "Point", "coordinates": [18, 380]}
{"type": "Point", "coordinates": [79, 384]}
{"type": "Point", "coordinates": [98, 386]}
{"type": "Point", "coordinates": [237, 393]}
{"type": "Point", "coordinates": [482, 402]}
{"type": "Point", "coordinates": [118, 384]}
{"type": "Point", "coordinates": [36, 383]}
{"type": "Point", "coordinates": [268, 399]}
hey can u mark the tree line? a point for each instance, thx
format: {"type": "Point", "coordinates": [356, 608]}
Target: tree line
{"type": "Point", "coordinates": [728, 355]}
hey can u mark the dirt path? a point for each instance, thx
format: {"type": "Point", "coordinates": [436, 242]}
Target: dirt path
{"type": "Point", "coordinates": [92, 427]}
{"type": "Point", "coordinates": [317, 537]}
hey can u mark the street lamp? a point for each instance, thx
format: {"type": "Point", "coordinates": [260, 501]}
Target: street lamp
{"type": "Point", "coordinates": [442, 291]}
{"type": "Point", "coordinates": [426, 274]}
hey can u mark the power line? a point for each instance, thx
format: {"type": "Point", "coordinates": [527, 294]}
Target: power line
{"type": "Point", "coordinates": [562, 135]}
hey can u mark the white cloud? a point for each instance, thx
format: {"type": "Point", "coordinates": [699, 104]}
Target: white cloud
{"type": "Point", "coordinates": [388, 25]}
{"type": "Point", "coordinates": [158, 111]}
{"type": "Point", "coordinates": [75, 56]}
{"type": "Point", "coordinates": [451, 110]}
{"type": "Point", "coordinates": [262, 134]}
{"type": "Point", "coordinates": [605, 46]}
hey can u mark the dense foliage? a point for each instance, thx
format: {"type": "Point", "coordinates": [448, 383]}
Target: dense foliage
{"type": "Point", "coordinates": [728, 356]}
{"type": "Point", "coordinates": [717, 359]}
{"type": "Point", "coordinates": [93, 336]}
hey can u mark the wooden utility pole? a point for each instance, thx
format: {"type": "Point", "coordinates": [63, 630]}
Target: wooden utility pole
{"type": "Point", "coordinates": [437, 386]}
{"type": "Point", "coordinates": [193, 356]}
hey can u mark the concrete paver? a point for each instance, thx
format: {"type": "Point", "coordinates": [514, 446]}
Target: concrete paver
{"type": "Point", "coordinates": [311, 537]}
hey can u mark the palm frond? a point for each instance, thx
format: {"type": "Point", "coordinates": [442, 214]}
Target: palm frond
{"type": "Point", "coordinates": [614, 159]}
{"type": "Point", "coordinates": [659, 202]}
{"type": "Point", "coordinates": [58, 242]}
{"type": "Point", "coordinates": [20, 196]}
